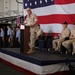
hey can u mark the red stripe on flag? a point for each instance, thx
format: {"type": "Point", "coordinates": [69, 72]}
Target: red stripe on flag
{"type": "Point", "coordinates": [64, 1]}
{"type": "Point", "coordinates": [53, 34]}
{"type": "Point", "coordinates": [57, 18]}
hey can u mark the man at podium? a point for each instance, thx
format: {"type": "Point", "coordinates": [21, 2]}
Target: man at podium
{"type": "Point", "coordinates": [32, 21]}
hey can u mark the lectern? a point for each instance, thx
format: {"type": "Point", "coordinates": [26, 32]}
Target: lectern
{"type": "Point", "coordinates": [25, 36]}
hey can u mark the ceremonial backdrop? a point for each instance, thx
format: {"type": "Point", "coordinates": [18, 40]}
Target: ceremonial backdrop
{"type": "Point", "coordinates": [51, 13]}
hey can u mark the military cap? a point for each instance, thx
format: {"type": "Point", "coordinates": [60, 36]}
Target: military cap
{"type": "Point", "coordinates": [28, 9]}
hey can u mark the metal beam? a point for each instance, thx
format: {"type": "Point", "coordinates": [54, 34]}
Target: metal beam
{"type": "Point", "coordinates": [19, 2]}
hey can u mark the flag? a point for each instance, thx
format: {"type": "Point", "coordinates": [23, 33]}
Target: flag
{"type": "Point", "coordinates": [51, 13]}
{"type": "Point", "coordinates": [18, 20]}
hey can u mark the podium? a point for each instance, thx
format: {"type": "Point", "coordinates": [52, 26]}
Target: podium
{"type": "Point", "coordinates": [26, 39]}
{"type": "Point", "coordinates": [25, 36]}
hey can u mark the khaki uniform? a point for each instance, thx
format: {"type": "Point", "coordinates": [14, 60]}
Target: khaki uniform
{"type": "Point", "coordinates": [57, 42]}
{"type": "Point", "coordinates": [73, 47]}
{"type": "Point", "coordinates": [67, 44]}
{"type": "Point", "coordinates": [35, 31]}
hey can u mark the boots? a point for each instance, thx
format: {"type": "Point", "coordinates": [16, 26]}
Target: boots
{"type": "Point", "coordinates": [31, 51]}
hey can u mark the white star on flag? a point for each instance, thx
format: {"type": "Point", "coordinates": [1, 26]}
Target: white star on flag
{"type": "Point", "coordinates": [30, 4]}
{"type": "Point", "coordinates": [40, 1]}
{"type": "Point", "coordinates": [35, 2]}
{"type": "Point", "coordinates": [51, 0]}
{"type": "Point", "coordinates": [25, 4]}
{"type": "Point", "coordinates": [46, 1]}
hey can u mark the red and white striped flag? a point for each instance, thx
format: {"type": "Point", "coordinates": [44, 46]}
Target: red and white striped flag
{"type": "Point", "coordinates": [18, 21]}
{"type": "Point", "coordinates": [51, 13]}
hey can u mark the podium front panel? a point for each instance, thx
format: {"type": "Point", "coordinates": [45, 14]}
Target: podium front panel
{"type": "Point", "coordinates": [26, 39]}
{"type": "Point", "coordinates": [25, 36]}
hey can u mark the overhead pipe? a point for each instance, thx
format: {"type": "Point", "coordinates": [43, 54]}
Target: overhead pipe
{"type": "Point", "coordinates": [19, 2]}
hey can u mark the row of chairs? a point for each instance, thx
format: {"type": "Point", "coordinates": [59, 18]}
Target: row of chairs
{"type": "Point", "coordinates": [44, 42]}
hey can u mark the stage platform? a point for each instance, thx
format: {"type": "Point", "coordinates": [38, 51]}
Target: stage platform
{"type": "Point", "coordinates": [39, 63]}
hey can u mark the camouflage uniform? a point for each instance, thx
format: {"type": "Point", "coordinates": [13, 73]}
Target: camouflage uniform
{"type": "Point", "coordinates": [35, 31]}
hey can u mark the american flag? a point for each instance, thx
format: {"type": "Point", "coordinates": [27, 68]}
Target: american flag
{"type": "Point", "coordinates": [18, 20]}
{"type": "Point", "coordinates": [51, 13]}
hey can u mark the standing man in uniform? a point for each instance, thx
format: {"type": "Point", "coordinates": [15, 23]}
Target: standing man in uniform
{"type": "Point", "coordinates": [9, 36]}
{"type": "Point", "coordinates": [17, 40]}
{"type": "Point", "coordinates": [32, 22]}
{"type": "Point", "coordinates": [67, 44]}
{"type": "Point", "coordinates": [63, 36]}
{"type": "Point", "coordinates": [2, 37]}
{"type": "Point", "coordinates": [73, 53]}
